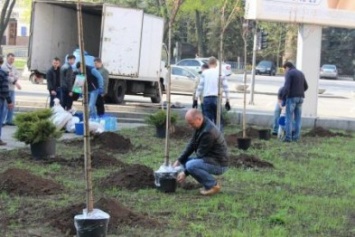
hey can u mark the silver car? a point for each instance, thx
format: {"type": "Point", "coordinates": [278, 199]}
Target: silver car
{"type": "Point", "coordinates": [329, 71]}
{"type": "Point", "coordinates": [183, 80]}
{"type": "Point", "coordinates": [195, 64]}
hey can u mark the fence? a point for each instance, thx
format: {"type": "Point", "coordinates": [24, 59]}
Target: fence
{"type": "Point", "coordinates": [19, 51]}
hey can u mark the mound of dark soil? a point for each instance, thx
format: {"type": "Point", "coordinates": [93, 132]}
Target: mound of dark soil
{"type": "Point", "coordinates": [322, 132]}
{"type": "Point", "coordinates": [248, 161]}
{"type": "Point", "coordinates": [119, 216]}
{"type": "Point", "coordinates": [22, 182]}
{"type": "Point", "coordinates": [132, 177]}
{"type": "Point", "coordinates": [112, 141]}
{"type": "Point", "coordinates": [182, 132]}
{"type": "Point", "coordinates": [98, 160]}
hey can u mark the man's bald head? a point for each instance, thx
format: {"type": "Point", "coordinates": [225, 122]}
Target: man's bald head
{"type": "Point", "coordinates": [194, 117]}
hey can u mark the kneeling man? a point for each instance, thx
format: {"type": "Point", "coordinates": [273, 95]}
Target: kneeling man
{"type": "Point", "coordinates": [211, 153]}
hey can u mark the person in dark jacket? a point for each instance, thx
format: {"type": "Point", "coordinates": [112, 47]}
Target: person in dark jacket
{"type": "Point", "coordinates": [5, 98]}
{"type": "Point", "coordinates": [293, 93]}
{"type": "Point", "coordinates": [53, 82]}
{"type": "Point", "coordinates": [67, 77]}
{"type": "Point", "coordinates": [211, 153]}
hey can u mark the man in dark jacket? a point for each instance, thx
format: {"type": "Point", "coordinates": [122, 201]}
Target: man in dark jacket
{"type": "Point", "coordinates": [53, 82]}
{"type": "Point", "coordinates": [211, 153]}
{"type": "Point", "coordinates": [4, 95]}
{"type": "Point", "coordinates": [293, 94]}
{"type": "Point", "coordinates": [67, 81]}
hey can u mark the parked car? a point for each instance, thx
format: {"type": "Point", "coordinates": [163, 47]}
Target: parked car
{"type": "Point", "coordinates": [183, 80]}
{"type": "Point", "coordinates": [265, 67]}
{"type": "Point", "coordinates": [329, 71]}
{"type": "Point", "coordinates": [196, 63]}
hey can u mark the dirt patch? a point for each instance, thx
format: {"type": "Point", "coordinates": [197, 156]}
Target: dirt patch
{"type": "Point", "coordinates": [119, 216]}
{"type": "Point", "coordinates": [22, 182]}
{"type": "Point", "coordinates": [248, 161]}
{"type": "Point", "coordinates": [231, 139]}
{"type": "Point", "coordinates": [112, 141]}
{"type": "Point", "coordinates": [182, 132]}
{"type": "Point", "coordinates": [107, 140]}
{"type": "Point", "coordinates": [189, 185]}
{"type": "Point", "coordinates": [98, 160]}
{"type": "Point", "coordinates": [251, 133]}
{"type": "Point", "coordinates": [132, 177]}
{"type": "Point", "coordinates": [322, 132]}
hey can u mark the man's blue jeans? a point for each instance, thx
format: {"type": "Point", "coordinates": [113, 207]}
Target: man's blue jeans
{"type": "Point", "coordinates": [209, 109]}
{"type": "Point", "coordinates": [8, 114]}
{"type": "Point", "coordinates": [293, 116]}
{"type": "Point", "coordinates": [92, 102]}
{"type": "Point", "coordinates": [202, 171]}
{"type": "Point", "coordinates": [277, 112]}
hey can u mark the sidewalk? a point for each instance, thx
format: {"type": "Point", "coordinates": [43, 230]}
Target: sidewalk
{"type": "Point", "coordinates": [8, 132]}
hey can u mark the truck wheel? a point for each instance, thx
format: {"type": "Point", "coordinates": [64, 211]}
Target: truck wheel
{"type": "Point", "coordinates": [119, 91]}
{"type": "Point", "coordinates": [157, 98]}
{"type": "Point", "coordinates": [35, 79]}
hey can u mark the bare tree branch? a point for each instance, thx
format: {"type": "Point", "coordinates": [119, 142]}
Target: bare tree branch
{"type": "Point", "coordinates": [232, 14]}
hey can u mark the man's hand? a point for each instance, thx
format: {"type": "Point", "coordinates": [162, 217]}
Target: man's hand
{"type": "Point", "coordinates": [70, 94]}
{"type": "Point", "coordinates": [18, 86]}
{"type": "Point", "coordinates": [176, 163]}
{"type": "Point", "coordinates": [227, 106]}
{"type": "Point", "coordinates": [194, 104]}
{"type": "Point", "coordinates": [53, 93]}
{"type": "Point", "coordinates": [181, 177]}
{"type": "Point", "coordinates": [10, 106]}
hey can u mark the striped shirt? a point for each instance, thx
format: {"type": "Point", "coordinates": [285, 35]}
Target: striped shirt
{"type": "Point", "coordinates": [209, 84]}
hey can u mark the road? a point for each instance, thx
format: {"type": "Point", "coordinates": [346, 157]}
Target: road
{"type": "Point", "coordinates": [337, 101]}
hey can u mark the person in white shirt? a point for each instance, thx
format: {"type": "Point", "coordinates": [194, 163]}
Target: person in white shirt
{"type": "Point", "coordinates": [208, 87]}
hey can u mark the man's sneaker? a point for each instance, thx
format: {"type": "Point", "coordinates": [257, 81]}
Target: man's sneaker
{"type": "Point", "coordinates": [2, 143]}
{"type": "Point", "coordinates": [211, 191]}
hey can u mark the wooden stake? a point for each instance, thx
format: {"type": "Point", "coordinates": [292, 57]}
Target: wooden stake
{"type": "Point", "coordinates": [87, 148]}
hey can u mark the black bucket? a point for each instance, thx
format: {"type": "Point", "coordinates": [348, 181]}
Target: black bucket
{"type": "Point", "coordinates": [264, 134]}
{"type": "Point", "coordinates": [166, 182]}
{"type": "Point", "coordinates": [161, 131]}
{"type": "Point", "coordinates": [244, 143]}
{"type": "Point", "coordinates": [43, 150]}
{"type": "Point", "coordinates": [86, 227]}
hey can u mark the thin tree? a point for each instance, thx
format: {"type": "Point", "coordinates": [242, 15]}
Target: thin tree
{"type": "Point", "coordinates": [5, 15]}
{"type": "Point", "coordinates": [225, 21]}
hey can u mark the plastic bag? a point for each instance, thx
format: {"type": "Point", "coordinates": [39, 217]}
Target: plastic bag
{"type": "Point", "coordinates": [70, 126]}
{"type": "Point", "coordinates": [60, 117]}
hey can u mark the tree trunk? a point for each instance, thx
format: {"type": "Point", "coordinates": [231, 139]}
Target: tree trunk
{"type": "Point", "coordinates": [5, 15]}
{"type": "Point", "coordinates": [290, 45]}
{"type": "Point", "coordinates": [199, 34]}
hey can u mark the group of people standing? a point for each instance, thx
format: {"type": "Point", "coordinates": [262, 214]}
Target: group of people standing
{"type": "Point", "coordinates": [60, 82]}
{"type": "Point", "coordinates": [208, 143]}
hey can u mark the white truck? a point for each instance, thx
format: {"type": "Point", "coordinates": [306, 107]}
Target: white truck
{"type": "Point", "coordinates": [128, 41]}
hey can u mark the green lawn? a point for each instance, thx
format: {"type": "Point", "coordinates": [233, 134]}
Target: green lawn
{"type": "Point", "coordinates": [310, 192]}
{"type": "Point", "coordinates": [20, 63]}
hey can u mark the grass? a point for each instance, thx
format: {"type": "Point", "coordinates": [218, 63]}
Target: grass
{"type": "Point", "coordinates": [309, 193]}
{"type": "Point", "coordinates": [20, 63]}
